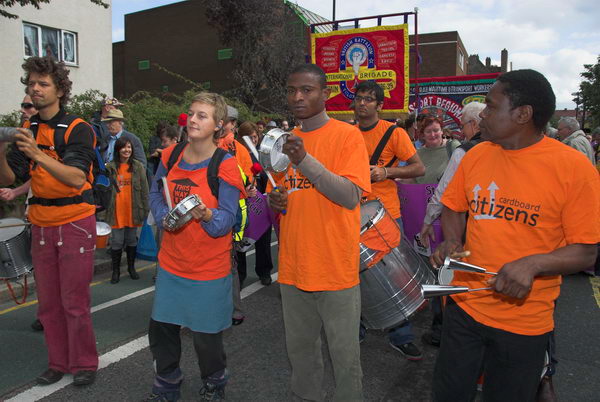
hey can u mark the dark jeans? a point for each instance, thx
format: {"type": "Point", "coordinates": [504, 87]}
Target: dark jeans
{"type": "Point", "coordinates": [165, 344]}
{"type": "Point", "coordinates": [264, 263]}
{"type": "Point", "coordinates": [511, 363]}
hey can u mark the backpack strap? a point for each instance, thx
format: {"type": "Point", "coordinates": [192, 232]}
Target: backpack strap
{"type": "Point", "coordinates": [212, 173]}
{"type": "Point", "coordinates": [382, 143]}
{"type": "Point", "coordinates": [62, 131]}
{"type": "Point", "coordinates": [175, 155]}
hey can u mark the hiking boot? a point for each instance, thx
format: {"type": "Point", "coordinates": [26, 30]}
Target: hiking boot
{"type": "Point", "coordinates": [408, 350]}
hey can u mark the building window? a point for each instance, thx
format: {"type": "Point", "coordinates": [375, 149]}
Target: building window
{"type": "Point", "coordinates": [224, 54]}
{"type": "Point", "coordinates": [44, 41]}
{"type": "Point", "coordinates": [461, 60]}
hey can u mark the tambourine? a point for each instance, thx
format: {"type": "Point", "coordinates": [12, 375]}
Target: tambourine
{"type": "Point", "coordinates": [270, 154]}
{"type": "Point", "coordinates": [7, 134]}
{"type": "Point", "coordinates": [180, 214]}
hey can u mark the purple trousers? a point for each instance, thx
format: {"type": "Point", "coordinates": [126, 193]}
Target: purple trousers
{"type": "Point", "coordinates": [63, 260]}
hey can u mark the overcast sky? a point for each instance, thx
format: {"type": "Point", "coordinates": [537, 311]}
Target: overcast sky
{"type": "Point", "coordinates": [554, 37]}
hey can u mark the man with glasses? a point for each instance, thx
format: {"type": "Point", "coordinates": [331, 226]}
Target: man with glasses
{"type": "Point", "coordinates": [386, 145]}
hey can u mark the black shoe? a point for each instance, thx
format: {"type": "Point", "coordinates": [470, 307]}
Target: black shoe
{"type": "Point", "coordinates": [237, 321]}
{"type": "Point", "coordinates": [428, 339]}
{"type": "Point", "coordinates": [408, 350]}
{"type": "Point", "coordinates": [84, 377]}
{"type": "Point", "coordinates": [116, 265]}
{"type": "Point", "coordinates": [545, 392]}
{"type": "Point", "coordinates": [37, 325]}
{"type": "Point", "coordinates": [131, 252]}
{"type": "Point", "coordinates": [49, 376]}
{"type": "Point", "coordinates": [266, 280]}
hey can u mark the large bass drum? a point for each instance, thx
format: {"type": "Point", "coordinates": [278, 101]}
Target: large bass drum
{"type": "Point", "coordinates": [390, 278]}
{"type": "Point", "coordinates": [15, 248]}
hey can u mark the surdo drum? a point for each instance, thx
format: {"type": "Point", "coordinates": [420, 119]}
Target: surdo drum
{"type": "Point", "coordinates": [15, 248]}
{"type": "Point", "coordinates": [391, 271]}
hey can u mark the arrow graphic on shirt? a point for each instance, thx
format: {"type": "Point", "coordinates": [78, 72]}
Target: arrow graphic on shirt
{"type": "Point", "coordinates": [492, 189]}
{"type": "Point", "coordinates": [476, 192]}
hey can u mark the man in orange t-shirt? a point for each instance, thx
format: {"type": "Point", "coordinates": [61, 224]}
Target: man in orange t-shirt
{"type": "Point", "coordinates": [531, 219]}
{"type": "Point", "coordinates": [61, 210]}
{"type": "Point", "coordinates": [396, 147]}
{"type": "Point", "coordinates": [319, 238]}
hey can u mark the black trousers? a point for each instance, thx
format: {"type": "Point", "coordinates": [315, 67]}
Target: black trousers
{"type": "Point", "coordinates": [264, 262]}
{"type": "Point", "coordinates": [165, 345]}
{"type": "Point", "coordinates": [511, 364]}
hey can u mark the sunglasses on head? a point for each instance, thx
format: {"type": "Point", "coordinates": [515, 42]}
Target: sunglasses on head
{"type": "Point", "coordinates": [26, 105]}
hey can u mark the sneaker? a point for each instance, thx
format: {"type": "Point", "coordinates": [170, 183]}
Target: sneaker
{"type": "Point", "coordinates": [362, 333]}
{"type": "Point", "coordinates": [428, 339]}
{"type": "Point", "coordinates": [408, 350]}
{"type": "Point", "coordinates": [212, 392]}
{"type": "Point", "coordinates": [159, 398]}
{"type": "Point", "coordinates": [265, 280]}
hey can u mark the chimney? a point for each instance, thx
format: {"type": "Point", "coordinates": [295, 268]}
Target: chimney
{"type": "Point", "coordinates": [504, 60]}
{"type": "Point", "coordinates": [488, 62]}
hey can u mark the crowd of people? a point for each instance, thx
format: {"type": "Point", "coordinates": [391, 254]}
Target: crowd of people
{"type": "Point", "coordinates": [525, 216]}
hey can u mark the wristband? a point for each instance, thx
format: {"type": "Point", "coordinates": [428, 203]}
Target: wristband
{"type": "Point", "coordinates": [385, 171]}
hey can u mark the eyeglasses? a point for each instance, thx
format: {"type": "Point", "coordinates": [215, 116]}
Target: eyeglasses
{"type": "Point", "coordinates": [462, 126]}
{"type": "Point", "coordinates": [367, 99]}
{"type": "Point", "coordinates": [26, 105]}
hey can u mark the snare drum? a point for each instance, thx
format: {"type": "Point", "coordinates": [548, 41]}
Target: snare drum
{"type": "Point", "coordinates": [15, 248]}
{"type": "Point", "coordinates": [180, 214]}
{"type": "Point", "coordinates": [270, 154]}
{"type": "Point", "coordinates": [379, 233]}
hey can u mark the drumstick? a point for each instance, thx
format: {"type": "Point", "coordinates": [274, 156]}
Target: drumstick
{"type": "Point", "coordinates": [460, 254]}
{"type": "Point", "coordinates": [15, 225]}
{"type": "Point", "coordinates": [167, 195]}
{"type": "Point", "coordinates": [254, 151]}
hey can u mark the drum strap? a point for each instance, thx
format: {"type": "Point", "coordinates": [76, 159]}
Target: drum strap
{"type": "Point", "coordinates": [86, 197]}
{"type": "Point", "coordinates": [382, 143]}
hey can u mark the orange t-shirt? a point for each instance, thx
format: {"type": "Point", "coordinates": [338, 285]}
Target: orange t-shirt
{"type": "Point", "coordinates": [399, 146]}
{"type": "Point", "coordinates": [318, 241]}
{"type": "Point", "coordinates": [123, 199]}
{"type": "Point", "coordinates": [234, 147]}
{"type": "Point", "coordinates": [521, 202]}
{"type": "Point", "coordinates": [44, 185]}
{"type": "Point", "coordinates": [190, 252]}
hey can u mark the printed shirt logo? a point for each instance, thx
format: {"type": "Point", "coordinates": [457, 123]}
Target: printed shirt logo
{"type": "Point", "coordinates": [297, 182]}
{"type": "Point", "coordinates": [490, 206]}
{"type": "Point", "coordinates": [182, 189]}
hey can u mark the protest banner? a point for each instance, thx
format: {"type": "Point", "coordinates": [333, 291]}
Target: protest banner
{"type": "Point", "coordinates": [445, 97]}
{"type": "Point", "coordinates": [354, 55]}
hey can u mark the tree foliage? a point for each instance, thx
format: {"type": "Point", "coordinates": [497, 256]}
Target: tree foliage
{"type": "Point", "coordinates": [36, 3]}
{"type": "Point", "coordinates": [267, 38]}
{"type": "Point", "coordinates": [590, 92]}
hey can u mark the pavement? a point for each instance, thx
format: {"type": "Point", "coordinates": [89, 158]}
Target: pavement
{"type": "Point", "coordinates": [256, 349]}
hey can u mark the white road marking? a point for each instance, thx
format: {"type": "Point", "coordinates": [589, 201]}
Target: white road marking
{"type": "Point", "coordinates": [37, 392]}
{"type": "Point", "coordinates": [122, 299]}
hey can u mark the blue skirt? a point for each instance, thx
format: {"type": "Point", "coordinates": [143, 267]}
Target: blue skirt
{"type": "Point", "coordinates": [202, 306]}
